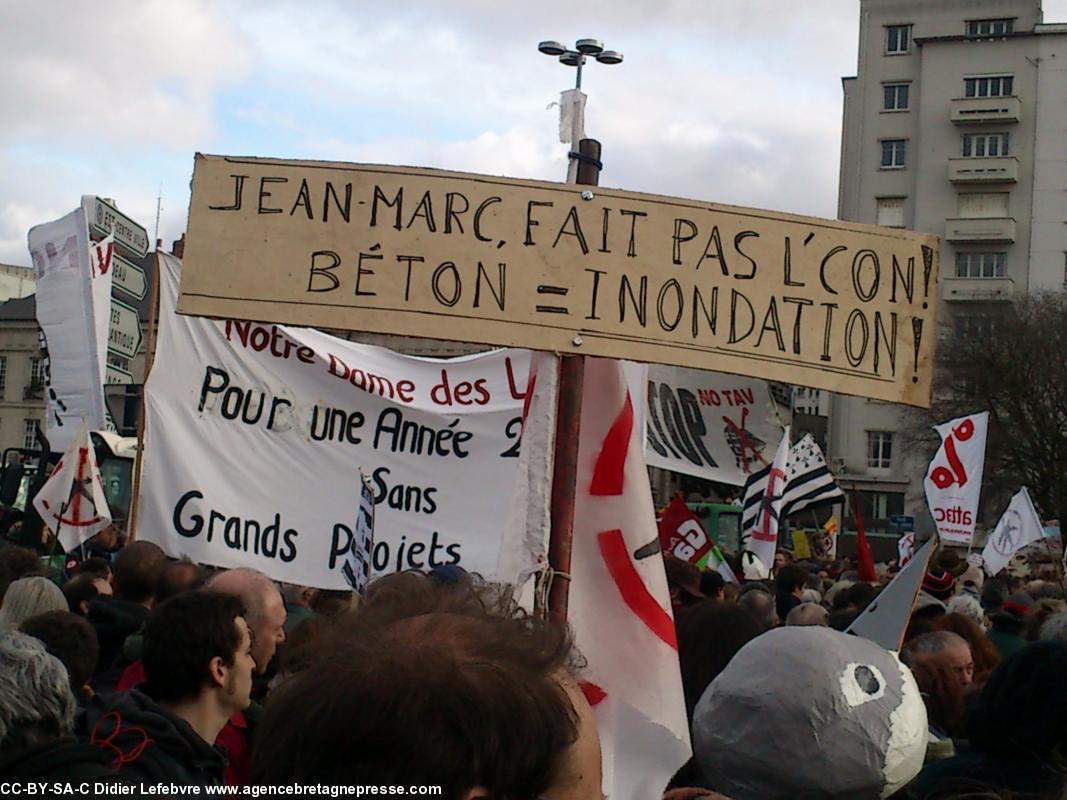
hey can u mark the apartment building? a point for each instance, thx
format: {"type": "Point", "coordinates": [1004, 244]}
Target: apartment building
{"type": "Point", "coordinates": [955, 124]}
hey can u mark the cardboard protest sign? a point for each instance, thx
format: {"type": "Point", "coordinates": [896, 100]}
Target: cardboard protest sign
{"type": "Point", "coordinates": [255, 437]}
{"type": "Point", "coordinates": [417, 252]}
{"type": "Point", "coordinates": [714, 426]}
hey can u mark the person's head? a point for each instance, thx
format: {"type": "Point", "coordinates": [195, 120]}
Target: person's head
{"type": "Point", "coordinates": [837, 595]}
{"type": "Point", "coordinates": [94, 566]}
{"type": "Point", "coordinates": [36, 704]}
{"type": "Point", "coordinates": [731, 592]}
{"type": "Point", "coordinates": [791, 579]}
{"type": "Point", "coordinates": [296, 595]}
{"type": "Point", "coordinates": [709, 634]}
{"type": "Point", "coordinates": [781, 559]}
{"type": "Point", "coordinates": [1054, 629]}
{"type": "Point", "coordinates": [759, 602]}
{"type": "Point", "coordinates": [841, 618]}
{"type": "Point", "coordinates": [939, 583]}
{"type": "Point", "coordinates": [948, 649]}
{"type": "Point", "coordinates": [712, 584]}
{"type": "Point", "coordinates": [136, 572]}
{"type": "Point", "coordinates": [177, 577]}
{"type": "Point", "coordinates": [458, 689]}
{"type": "Point", "coordinates": [860, 595]}
{"type": "Point", "coordinates": [994, 593]}
{"type": "Point", "coordinates": [683, 582]}
{"type": "Point", "coordinates": [28, 597]}
{"type": "Point", "coordinates": [986, 656]}
{"type": "Point", "coordinates": [1021, 713]}
{"type": "Point", "coordinates": [81, 590]}
{"type": "Point", "coordinates": [808, 614]}
{"type": "Point", "coordinates": [1040, 612]}
{"type": "Point", "coordinates": [942, 695]}
{"type": "Point", "coordinates": [197, 646]}
{"type": "Point", "coordinates": [107, 539]}
{"type": "Point", "coordinates": [72, 640]}
{"type": "Point", "coordinates": [264, 607]}
{"type": "Point", "coordinates": [17, 562]}
{"type": "Point", "coordinates": [967, 605]}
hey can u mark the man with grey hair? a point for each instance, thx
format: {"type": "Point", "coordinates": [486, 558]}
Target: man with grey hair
{"type": "Point", "coordinates": [37, 718]}
{"type": "Point", "coordinates": [298, 602]}
{"type": "Point", "coordinates": [946, 649]}
{"type": "Point", "coordinates": [265, 609]}
{"type": "Point", "coordinates": [759, 602]}
{"type": "Point", "coordinates": [809, 614]}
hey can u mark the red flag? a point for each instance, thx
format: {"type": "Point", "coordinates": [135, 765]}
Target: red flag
{"type": "Point", "coordinates": [680, 532]}
{"type": "Point", "coordinates": [863, 547]}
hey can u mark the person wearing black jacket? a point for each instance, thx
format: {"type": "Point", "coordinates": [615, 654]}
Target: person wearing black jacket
{"type": "Point", "coordinates": [198, 667]}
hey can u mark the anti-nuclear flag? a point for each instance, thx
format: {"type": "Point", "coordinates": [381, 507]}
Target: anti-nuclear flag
{"type": "Point", "coordinates": [886, 618]}
{"type": "Point", "coordinates": [72, 501]}
{"type": "Point", "coordinates": [806, 482]}
{"type": "Point", "coordinates": [683, 536]}
{"type": "Point", "coordinates": [619, 607]}
{"type": "Point", "coordinates": [1019, 526]}
{"type": "Point", "coordinates": [954, 479]}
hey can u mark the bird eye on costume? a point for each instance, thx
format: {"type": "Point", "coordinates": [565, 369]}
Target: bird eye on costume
{"type": "Point", "coordinates": [861, 683]}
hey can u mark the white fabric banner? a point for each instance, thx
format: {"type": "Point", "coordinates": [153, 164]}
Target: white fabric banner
{"type": "Point", "coordinates": [954, 479]}
{"type": "Point", "coordinates": [619, 607]}
{"type": "Point", "coordinates": [100, 278]}
{"type": "Point", "coordinates": [1019, 526]}
{"type": "Point", "coordinates": [255, 436]}
{"type": "Point", "coordinates": [766, 497]}
{"type": "Point", "coordinates": [708, 424]}
{"type": "Point", "coordinates": [68, 319]}
{"type": "Point", "coordinates": [72, 501]}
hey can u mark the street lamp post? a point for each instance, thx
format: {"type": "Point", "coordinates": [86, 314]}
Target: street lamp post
{"type": "Point", "coordinates": [584, 49]}
{"type": "Point", "coordinates": [571, 367]}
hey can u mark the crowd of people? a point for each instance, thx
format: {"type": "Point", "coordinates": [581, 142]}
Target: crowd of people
{"type": "Point", "coordinates": [132, 667]}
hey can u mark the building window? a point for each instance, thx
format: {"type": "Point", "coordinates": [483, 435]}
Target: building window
{"type": "Point", "coordinates": [981, 265]}
{"type": "Point", "coordinates": [986, 145]}
{"type": "Point", "coordinates": [897, 38]}
{"type": "Point", "coordinates": [894, 153]}
{"type": "Point", "coordinates": [989, 86]}
{"type": "Point", "coordinates": [890, 212]}
{"type": "Point", "coordinates": [36, 372]}
{"type": "Point", "coordinates": [982, 205]}
{"type": "Point", "coordinates": [879, 449]}
{"type": "Point", "coordinates": [29, 436]}
{"type": "Point", "coordinates": [990, 27]}
{"type": "Point", "coordinates": [3, 374]}
{"type": "Point", "coordinates": [895, 96]}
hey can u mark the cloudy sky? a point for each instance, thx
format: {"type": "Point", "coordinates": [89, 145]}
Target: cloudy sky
{"type": "Point", "coordinates": [736, 101]}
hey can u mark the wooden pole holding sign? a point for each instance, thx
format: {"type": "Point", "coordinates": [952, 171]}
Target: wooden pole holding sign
{"type": "Point", "coordinates": [568, 426]}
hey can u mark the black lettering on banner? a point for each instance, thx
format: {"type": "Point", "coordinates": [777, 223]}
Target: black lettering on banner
{"type": "Point", "coordinates": [436, 281]}
{"type": "Point", "coordinates": [679, 305]}
{"type": "Point", "coordinates": [825, 356]}
{"type": "Point", "coordinates": [265, 195]}
{"type": "Point", "coordinates": [594, 295]}
{"type": "Point", "coordinates": [822, 267]}
{"type": "Point", "coordinates": [401, 497]}
{"type": "Point", "coordinates": [531, 223]}
{"type": "Point", "coordinates": [575, 230]}
{"type": "Point", "coordinates": [640, 304]}
{"type": "Point", "coordinates": [513, 431]}
{"type": "Point", "coordinates": [497, 296]}
{"type": "Point", "coordinates": [679, 238]}
{"type": "Point", "coordinates": [424, 211]}
{"type": "Point", "coordinates": [247, 535]}
{"type": "Point", "coordinates": [345, 209]}
{"type": "Point", "coordinates": [360, 271]}
{"type": "Point", "coordinates": [303, 198]}
{"type": "Point", "coordinates": [855, 317]}
{"type": "Point", "coordinates": [711, 317]}
{"type": "Point", "coordinates": [407, 278]}
{"type": "Point", "coordinates": [737, 246]}
{"type": "Point", "coordinates": [397, 202]}
{"type": "Point", "coordinates": [888, 338]}
{"type": "Point", "coordinates": [800, 303]}
{"type": "Point", "coordinates": [862, 257]}
{"type": "Point", "coordinates": [772, 324]}
{"type": "Point", "coordinates": [736, 296]}
{"type": "Point", "coordinates": [452, 214]}
{"type": "Point", "coordinates": [631, 249]}
{"type": "Point", "coordinates": [326, 272]}
{"type": "Point", "coordinates": [478, 219]}
{"type": "Point", "coordinates": [392, 431]}
{"type": "Point", "coordinates": [383, 558]}
{"type": "Point", "coordinates": [653, 416]}
{"type": "Point", "coordinates": [238, 191]}
{"type": "Point", "coordinates": [907, 280]}
{"type": "Point", "coordinates": [719, 255]}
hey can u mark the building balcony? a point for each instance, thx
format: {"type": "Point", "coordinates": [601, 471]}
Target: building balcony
{"type": "Point", "coordinates": [1002, 169]}
{"type": "Point", "coordinates": [985, 110]}
{"type": "Point", "coordinates": [986, 229]}
{"type": "Point", "coordinates": [982, 290]}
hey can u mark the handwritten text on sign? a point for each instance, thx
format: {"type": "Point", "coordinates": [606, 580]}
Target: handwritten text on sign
{"type": "Point", "coordinates": [419, 252]}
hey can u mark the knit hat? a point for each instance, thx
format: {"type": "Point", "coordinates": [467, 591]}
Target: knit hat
{"type": "Point", "coordinates": [939, 583]}
{"type": "Point", "coordinates": [950, 561]}
{"type": "Point", "coordinates": [1018, 604]}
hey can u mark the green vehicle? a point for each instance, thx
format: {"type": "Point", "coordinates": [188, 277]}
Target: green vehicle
{"type": "Point", "coordinates": [722, 523]}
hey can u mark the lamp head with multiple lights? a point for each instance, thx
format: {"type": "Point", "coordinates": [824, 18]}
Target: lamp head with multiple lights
{"type": "Point", "coordinates": [583, 48]}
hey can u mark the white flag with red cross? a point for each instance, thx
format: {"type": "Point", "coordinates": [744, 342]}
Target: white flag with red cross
{"type": "Point", "coordinates": [72, 501]}
{"type": "Point", "coordinates": [620, 607]}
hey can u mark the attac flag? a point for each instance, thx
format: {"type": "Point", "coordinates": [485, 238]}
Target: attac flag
{"type": "Point", "coordinates": [1019, 526]}
{"type": "Point", "coordinates": [954, 479]}
{"type": "Point", "coordinates": [72, 501]}
{"type": "Point", "coordinates": [619, 603]}
{"type": "Point", "coordinates": [683, 536]}
{"type": "Point", "coordinates": [886, 618]}
{"type": "Point", "coordinates": [764, 496]}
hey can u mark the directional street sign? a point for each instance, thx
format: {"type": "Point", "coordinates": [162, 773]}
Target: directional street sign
{"type": "Point", "coordinates": [129, 278]}
{"type": "Point", "coordinates": [116, 375]}
{"type": "Point", "coordinates": [104, 218]}
{"type": "Point", "coordinates": [124, 336]}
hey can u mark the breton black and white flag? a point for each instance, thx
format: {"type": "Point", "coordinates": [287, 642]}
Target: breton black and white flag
{"type": "Point", "coordinates": [809, 483]}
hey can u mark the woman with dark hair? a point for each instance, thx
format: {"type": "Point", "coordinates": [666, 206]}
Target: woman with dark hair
{"type": "Point", "coordinates": [1018, 729]}
{"type": "Point", "coordinates": [709, 634]}
{"type": "Point", "coordinates": [986, 656]}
